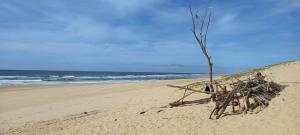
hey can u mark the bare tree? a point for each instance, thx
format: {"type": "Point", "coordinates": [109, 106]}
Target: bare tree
{"type": "Point", "coordinates": [204, 22]}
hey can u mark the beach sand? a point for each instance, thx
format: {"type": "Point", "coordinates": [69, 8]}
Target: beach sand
{"type": "Point", "coordinates": [116, 109]}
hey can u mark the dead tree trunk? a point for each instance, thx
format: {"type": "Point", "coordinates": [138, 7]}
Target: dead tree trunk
{"type": "Point", "coordinates": [210, 75]}
{"type": "Point", "coordinates": [202, 36]}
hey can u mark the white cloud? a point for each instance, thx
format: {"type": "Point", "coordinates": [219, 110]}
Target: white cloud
{"type": "Point", "coordinates": [174, 15]}
{"type": "Point", "coordinates": [222, 45]}
{"type": "Point", "coordinates": [227, 23]}
{"type": "Point", "coordinates": [125, 7]}
{"type": "Point", "coordinates": [284, 6]}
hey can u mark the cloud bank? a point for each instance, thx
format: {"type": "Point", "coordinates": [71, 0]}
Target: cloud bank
{"type": "Point", "coordinates": [148, 35]}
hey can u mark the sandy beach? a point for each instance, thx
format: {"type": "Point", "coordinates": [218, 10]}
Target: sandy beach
{"type": "Point", "coordinates": [149, 67]}
{"type": "Point", "coordinates": [116, 109]}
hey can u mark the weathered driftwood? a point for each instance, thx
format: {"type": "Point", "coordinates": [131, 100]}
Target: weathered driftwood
{"type": "Point", "coordinates": [199, 101]}
{"type": "Point", "coordinates": [254, 92]}
{"type": "Point", "coordinates": [181, 100]}
{"type": "Point", "coordinates": [190, 89]}
{"type": "Point", "coordinates": [257, 89]}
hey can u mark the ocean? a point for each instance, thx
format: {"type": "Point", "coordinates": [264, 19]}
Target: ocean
{"type": "Point", "coordinates": [40, 77]}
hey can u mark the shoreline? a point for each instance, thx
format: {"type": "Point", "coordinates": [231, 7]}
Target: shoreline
{"type": "Point", "coordinates": [21, 77]}
{"type": "Point", "coordinates": [26, 86]}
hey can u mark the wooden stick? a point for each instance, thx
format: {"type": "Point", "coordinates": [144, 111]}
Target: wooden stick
{"type": "Point", "coordinates": [185, 96]}
{"type": "Point", "coordinates": [213, 112]}
{"type": "Point", "coordinates": [232, 103]}
{"type": "Point", "coordinates": [190, 89]}
{"type": "Point", "coordinates": [224, 105]}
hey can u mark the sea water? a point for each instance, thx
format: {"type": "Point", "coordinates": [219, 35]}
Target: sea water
{"type": "Point", "coordinates": [31, 77]}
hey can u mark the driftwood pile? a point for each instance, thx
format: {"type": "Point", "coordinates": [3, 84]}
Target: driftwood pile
{"type": "Point", "coordinates": [253, 93]}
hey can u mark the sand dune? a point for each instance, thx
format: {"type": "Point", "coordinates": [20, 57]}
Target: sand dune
{"type": "Point", "coordinates": [116, 108]}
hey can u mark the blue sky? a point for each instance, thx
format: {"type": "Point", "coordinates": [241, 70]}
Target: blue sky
{"type": "Point", "coordinates": [145, 35]}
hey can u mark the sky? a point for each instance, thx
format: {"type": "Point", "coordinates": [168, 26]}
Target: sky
{"type": "Point", "coordinates": [146, 35]}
